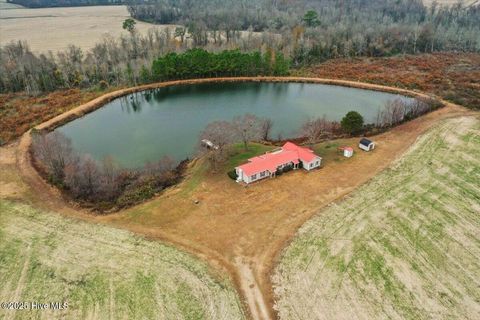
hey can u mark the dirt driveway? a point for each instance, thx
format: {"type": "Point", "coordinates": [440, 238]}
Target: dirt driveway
{"type": "Point", "coordinates": [240, 229]}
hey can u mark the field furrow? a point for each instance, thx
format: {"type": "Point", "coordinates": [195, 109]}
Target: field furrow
{"type": "Point", "coordinates": [403, 246]}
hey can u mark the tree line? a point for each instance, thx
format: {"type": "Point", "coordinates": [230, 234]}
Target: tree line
{"type": "Point", "coordinates": [300, 31]}
{"type": "Point", "coordinates": [131, 60]}
{"type": "Point", "coordinates": [101, 185]}
{"type": "Point", "coordinates": [316, 30]}
{"type": "Point", "coordinates": [199, 63]}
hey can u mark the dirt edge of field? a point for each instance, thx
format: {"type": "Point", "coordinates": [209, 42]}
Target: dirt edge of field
{"type": "Point", "coordinates": [254, 306]}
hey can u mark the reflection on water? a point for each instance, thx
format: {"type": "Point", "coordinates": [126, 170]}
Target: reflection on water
{"type": "Point", "coordinates": [147, 125]}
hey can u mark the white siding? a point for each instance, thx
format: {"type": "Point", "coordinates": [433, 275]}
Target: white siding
{"type": "Point", "coordinates": [371, 146]}
{"type": "Point", "coordinates": [249, 179]}
{"type": "Point", "coordinates": [313, 164]}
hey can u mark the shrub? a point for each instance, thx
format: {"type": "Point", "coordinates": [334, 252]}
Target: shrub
{"type": "Point", "coordinates": [139, 191]}
{"type": "Point", "coordinates": [352, 123]}
{"type": "Point", "coordinates": [232, 174]}
{"type": "Point", "coordinates": [287, 168]}
{"type": "Point", "coordinates": [54, 152]}
{"type": "Point", "coordinates": [103, 84]}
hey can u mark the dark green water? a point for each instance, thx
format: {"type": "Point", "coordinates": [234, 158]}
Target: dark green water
{"type": "Point", "coordinates": [148, 125]}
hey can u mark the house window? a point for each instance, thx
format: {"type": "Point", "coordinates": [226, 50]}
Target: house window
{"type": "Point", "coordinates": [316, 163]}
{"type": "Point", "coordinates": [311, 165]}
{"type": "Point", "coordinates": [262, 174]}
{"type": "Point", "coordinates": [254, 176]}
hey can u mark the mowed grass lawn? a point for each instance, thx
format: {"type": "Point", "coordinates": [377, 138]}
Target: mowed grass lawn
{"type": "Point", "coordinates": [102, 273]}
{"type": "Point", "coordinates": [404, 246]}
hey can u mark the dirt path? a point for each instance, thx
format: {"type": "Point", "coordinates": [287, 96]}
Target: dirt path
{"type": "Point", "coordinates": [21, 283]}
{"type": "Point", "coordinates": [238, 229]}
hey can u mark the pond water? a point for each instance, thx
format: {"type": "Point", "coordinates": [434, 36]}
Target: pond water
{"type": "Point", "coordinates": [147, 125]}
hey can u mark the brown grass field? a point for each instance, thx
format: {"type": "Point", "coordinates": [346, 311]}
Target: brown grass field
{"type": "Point", "coordinates": [53, 29]}
{"type": "Point", "coordinates": [454, 77]}
{"type": "Point", "coordinates": [4, 5]}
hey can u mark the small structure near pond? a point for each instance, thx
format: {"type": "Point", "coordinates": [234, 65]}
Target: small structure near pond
{"type": "Point", "coordinates": [289, 157]}
{"type": "Point", "coordinates": [347, 151]}
{"type": "Point", "coordinates": [209, 144]}
{"type": "Point", "coordinates": [366, 144]}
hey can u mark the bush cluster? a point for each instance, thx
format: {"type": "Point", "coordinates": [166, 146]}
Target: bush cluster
{"type": "Point", "coordinates": [104, 185]}
{"type": "Point", "coordinates": [232, 174]}
{"type": "Point", "coordinates": [400, 110]}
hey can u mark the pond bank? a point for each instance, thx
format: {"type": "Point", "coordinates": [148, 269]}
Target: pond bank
{"type": "Point", "coordinates": [102, 100]}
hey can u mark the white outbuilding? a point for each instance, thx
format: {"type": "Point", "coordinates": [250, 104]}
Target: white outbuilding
{"type": "Point", "coordinates": [347, 152]}
{"type": "Point", "coordinates": [366, 144]}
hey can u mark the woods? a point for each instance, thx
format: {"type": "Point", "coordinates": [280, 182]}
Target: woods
{"type": "Point", "coordinates": [199, 63]}
{"type": "Point", "coordinates": [276, 35]}
{"type": "Point", "coordinates": [132, 60]}
{"type": "Point", "coordinates": [317, 30]}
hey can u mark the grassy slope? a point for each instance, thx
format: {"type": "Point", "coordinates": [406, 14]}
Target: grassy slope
{"type": "Point", "coordinates": [102, 272]}
{"type": "Point", "coordinates": [406, 245]}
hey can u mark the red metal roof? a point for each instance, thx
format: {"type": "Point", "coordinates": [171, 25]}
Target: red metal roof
{"type": "Point", "coordinates": [304, 154]}
{"type": "Point", "coordinates": [290, 152]}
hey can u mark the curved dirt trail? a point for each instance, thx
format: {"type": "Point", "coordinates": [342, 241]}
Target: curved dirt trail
{"type": "Point", "coordinates": [240, 230]}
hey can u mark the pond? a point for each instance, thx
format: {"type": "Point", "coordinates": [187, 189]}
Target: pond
{"type": "Point", "coordinates": [147, 125]}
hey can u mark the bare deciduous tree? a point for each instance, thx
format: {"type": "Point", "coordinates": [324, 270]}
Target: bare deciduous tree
{"type": "Point", "coordinates": [266, 125]}
{"type": "Point", "coordinates": [393, 113]}
{"type": "Point", "coordinates": [399, 110]}
{"type": "Point", "coordinates": [221, 134]}
{"type": "Point", "coordinates": [55, 152]}
{"type": "Point", "coordinates": [103, 183]}
{"type": "Point", "coordinates": [247, 128]}
{"type": "Point", "coordinates": [318, 128]}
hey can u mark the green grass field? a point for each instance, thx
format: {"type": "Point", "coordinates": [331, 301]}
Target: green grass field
{"type": "Point", "coordinates": [102, 273]}
{"type": "Point", "coordinates": [404, 246]}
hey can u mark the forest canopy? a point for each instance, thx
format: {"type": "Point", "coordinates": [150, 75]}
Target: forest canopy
{"type": "Point", "coordinates": [317, 30]}
{"type": "Point", "coordinates": [303, 32]}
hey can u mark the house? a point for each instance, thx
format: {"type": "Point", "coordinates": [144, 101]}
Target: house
{"type": "Point", "coordinates": [288, 157]}
{"type": "Point", "coordinates": [366, 144]}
